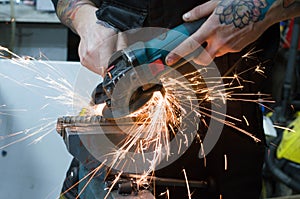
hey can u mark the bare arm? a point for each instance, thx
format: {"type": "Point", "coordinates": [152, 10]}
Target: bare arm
{"type": "Point", "coordinates": [97, 42]}
{"type": "Point", "coordinates": [67, 11]}
{"type": "Point", "coordinates": [292, 7]}
{"type": "Point", "coordinates": [232, 25]}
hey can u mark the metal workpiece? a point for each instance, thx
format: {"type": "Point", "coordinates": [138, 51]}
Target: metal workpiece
{"type": "Point", "coordinates": [82, 134]}
{"type": "Point", "coordinates": [86, 139]}
{"type": "Point", "coordinates": [89, 138]}
{"type": "Point", "coordinates": [72, 121]}
{"type": "Point", "coordinates": [88, 121]}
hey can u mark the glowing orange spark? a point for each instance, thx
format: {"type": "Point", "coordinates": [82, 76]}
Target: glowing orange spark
{"type": "Point", "coordinates": [187, 184]}
{"type": "Point", "coordinates": [225, 162]}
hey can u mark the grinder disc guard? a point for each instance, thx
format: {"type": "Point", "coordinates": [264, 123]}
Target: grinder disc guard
{"type": "Point", "coordinates": [137, 100]}
{"type": "Point", "coordinates": [128, 88]}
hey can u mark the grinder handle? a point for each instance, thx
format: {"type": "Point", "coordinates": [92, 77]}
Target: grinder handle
{"type": "Point", "coordinates": [159, 47]}
{"type": "Point", "coordinates": [192, 27]}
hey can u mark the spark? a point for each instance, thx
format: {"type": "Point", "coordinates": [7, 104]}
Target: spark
{"type": "Point", "coordinates": [167, 193]}
{"type": "Point", "coordinates": [179, 147]}
{"type": "Point", "coordinates": [222, 114]}
{"type": "Point", "coordinates": [113, 184]}
{"type": "Point", "coordinates": [247, 123]}
{"type": "Point", "coordinates": [225, 162]}
{"type": "Point", "coordinates": [93, 172]}
{"type": "Point", "coordinates": [43, 107]}
{"type": "Point", "coordinates": [44, 129]}
{"type": "Point", "coordinates": [157, 122]}
{"type": "Point", "coordinates": [54, 80]}
{"type": "Point", "coordinates": [45, 133]}
{"type": "Point", "coordinates": [99, 108]}
{"type": "Point", "coordinates": [187, 184]}
{"type": "Point", "coordinates": [89, 180]}
{"type": "Point", "coordinates": [250, 53]}
{"type": "Point", "coordinates": [284, 128]}
{"type": "Point", "coordinates": [232, 125]}
{"type": "Point", "coordinates": [6, 111]}
{"type": "Point", "coordinates": [292, 107]}
{"type": "Point", "coordinates": [203, 153]}
{"type": "Point", "coordinates": [273, 144]}
{"type": "Point", "coordinates": [260, 70]}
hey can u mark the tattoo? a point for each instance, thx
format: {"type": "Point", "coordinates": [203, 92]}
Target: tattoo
{"type": "Point", "coordinates": [241, 13]}
{"type": "Point", "coordinates": [287, 3]}
{"type": "Point", "coordinates": [67, 9]}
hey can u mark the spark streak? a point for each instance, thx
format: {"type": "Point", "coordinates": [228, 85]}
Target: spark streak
{"type": "Point", "coordinates": [163, 113]}
{"type": "Point", "coordinates": [54, 80]}
{"type": "Point", "coordinates": [159, 121]}
{"type": "Point", "coordinates": [187, 184]}
{"type": "Point", "coordinates": [44, 129]}
{"type": "Point", "coordinates": [92, 173]}
{"type": "Point", "coordinates": [225, 162]}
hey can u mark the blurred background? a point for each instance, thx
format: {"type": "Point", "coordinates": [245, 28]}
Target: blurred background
{"type": "Point", "coordinates": [34, 166]}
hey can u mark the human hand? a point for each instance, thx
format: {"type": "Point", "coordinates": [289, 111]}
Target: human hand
{"type": "Point", "coordinates": [96, 46]}
{"type": "Point", "coordinates": [232, 25]}
{"type": "Point", "coordinates": [97, 40]}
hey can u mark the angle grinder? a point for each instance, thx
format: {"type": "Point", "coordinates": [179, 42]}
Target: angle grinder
{"type": "Point", "coordinates": [133, 74]}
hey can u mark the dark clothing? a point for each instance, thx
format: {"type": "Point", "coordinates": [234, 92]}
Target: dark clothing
{"type": "Point", "coordinates": [242, 178]}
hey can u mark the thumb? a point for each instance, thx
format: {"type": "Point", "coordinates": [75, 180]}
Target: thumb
{"type": "Point", "coordinates": [122, 41]}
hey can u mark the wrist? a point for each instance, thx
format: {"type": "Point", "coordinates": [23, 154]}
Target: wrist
{"type": "Point", "coordinates": [84, 16]}
{"type": "Point", "coordinates": [284, 9]}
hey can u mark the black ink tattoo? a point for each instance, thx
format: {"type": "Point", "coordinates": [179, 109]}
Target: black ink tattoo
{"type": "Point", "coordinates": [66, 11]}
{"type": "Point", "coordinates": [242, 13]}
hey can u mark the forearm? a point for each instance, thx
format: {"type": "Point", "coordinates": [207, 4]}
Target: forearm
{"type": "Point", "coordinates": [74, 13]}
{"type": "Point", "coordinates": [283, 9]}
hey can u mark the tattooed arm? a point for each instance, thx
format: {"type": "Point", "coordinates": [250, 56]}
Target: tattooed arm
{"type": "Point", "coordinates": [97, 42]}
{"type": "Point", "coordinates": [232, 25]}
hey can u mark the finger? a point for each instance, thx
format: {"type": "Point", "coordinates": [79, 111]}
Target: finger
{"type": "Point", "coordinates": [206, 56]}
{"type": "Point", "coordinates": [122, 41]}
{"type": "Point", "coordinates": [86, 60]}
{"type": "Point", "coordinates": [200, 11]}
{"type": "Point", "coordinates": [185, 48]}
{"type": "Point", "coordinates": [99, 70]}
{"type": "Point", "coordinates": [188, 46]}
{"type": "Point", "coordinates": [107, 48]}
{"type": "Point", "coordinates": [83, 55]}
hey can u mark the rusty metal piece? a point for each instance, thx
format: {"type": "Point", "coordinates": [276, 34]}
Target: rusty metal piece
{"type": "Point", "coordinates": [84, 135]}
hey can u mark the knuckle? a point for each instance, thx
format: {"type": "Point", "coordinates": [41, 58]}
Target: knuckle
{"type": "Point", "coordinates": [196, 12]}
{"type": "Point", "coordinates": [83, 61]}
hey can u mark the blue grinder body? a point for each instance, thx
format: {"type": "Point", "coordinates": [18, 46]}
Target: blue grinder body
{"type": "Point", "coordinates": [138, 66]}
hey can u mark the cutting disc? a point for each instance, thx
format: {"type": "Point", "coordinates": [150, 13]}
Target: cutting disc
{"type": "Point", "coordinates": [138, 99]}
